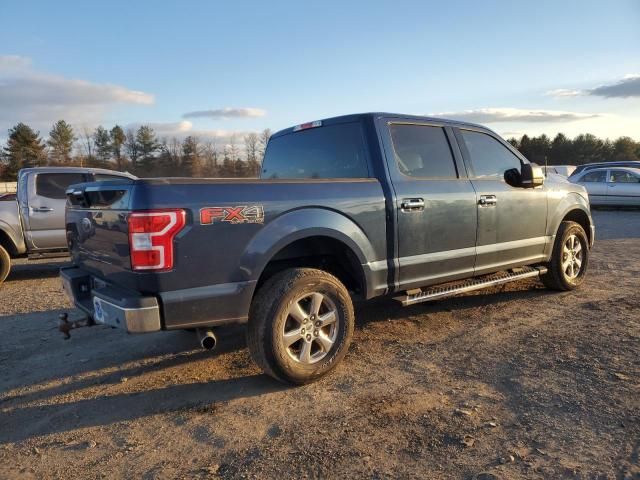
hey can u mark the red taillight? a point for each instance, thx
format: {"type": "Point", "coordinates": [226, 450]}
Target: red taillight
{"type": "Point", "coordinates": [151, 237]}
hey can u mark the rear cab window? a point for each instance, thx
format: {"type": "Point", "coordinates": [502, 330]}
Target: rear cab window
{"type": "Point", "coordinates": [328, 151]}
{"type": "Point", "coordinates": [422, 151]}
{"type": "Point", "coordinates": [54, 185]}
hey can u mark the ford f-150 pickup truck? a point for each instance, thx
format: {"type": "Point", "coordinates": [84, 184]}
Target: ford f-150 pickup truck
{"type": "Point", "coordinates": [32, 225]}
{"type": "Point", "coordinates": [352, 207]}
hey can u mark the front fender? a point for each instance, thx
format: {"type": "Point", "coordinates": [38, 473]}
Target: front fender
{"type": "Point", "coordinates": [561, 204]}
{"type": "Point", "coordinates": [14, 236]}
{"type": "Point", "coordinates": [313, 222]}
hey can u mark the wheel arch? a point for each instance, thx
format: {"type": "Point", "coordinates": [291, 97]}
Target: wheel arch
{"type": "Point", "coordinates": [7, 242]}
{"type": "Point", "coordinates": [317, 238]}
{"type": "Point", "coordinates": [573, 207]}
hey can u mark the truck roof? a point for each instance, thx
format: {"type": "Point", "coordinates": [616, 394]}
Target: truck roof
{"type": "Point", "coordinates": [358, 116]}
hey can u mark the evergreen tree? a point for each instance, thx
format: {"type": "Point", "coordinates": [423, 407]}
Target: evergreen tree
{"type": "Point", "coordinates": [61, 139]}
{"type": "Point", "coordinates": [624, 148]}
{"type": "Point", "coordinates": [191, 160]}
{"type": "Point", "coordinates": [561, 151]}
{"type": "Point", "coordinates": [102, 142]}
{"type": "Point", "coordinates": [24, 149]}
{"type": "Point", "coordinates": [228, 166]}
{"type": "Point", "coordinates": [118, 138]}
{"type": "Point", "coordinates": [147, 146]}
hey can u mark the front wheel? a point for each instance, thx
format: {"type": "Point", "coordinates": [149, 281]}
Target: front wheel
{"type": "Point", "coordinates": [5, 264]}
{"type": "Point", "coordinates": [569, 259]}
{"type": "Point", "coordinates": [300, 325]}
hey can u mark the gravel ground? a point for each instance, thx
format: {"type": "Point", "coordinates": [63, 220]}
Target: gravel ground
{"type": "Point", "coordinates": [511, 382]}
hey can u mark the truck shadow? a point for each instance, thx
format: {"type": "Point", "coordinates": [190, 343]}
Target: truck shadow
{"type": "Point", "coordinates": [20, 421]}
{"type": "Point", "coordinates": [179, 350]}
{"type": "Point", "coordinates": [21, 424]}
{"type": "Point", "coordinates": [35, 270]}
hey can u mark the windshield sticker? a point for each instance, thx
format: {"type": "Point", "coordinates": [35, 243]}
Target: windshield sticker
{"type": "Point", "coordinates": [239, 214]}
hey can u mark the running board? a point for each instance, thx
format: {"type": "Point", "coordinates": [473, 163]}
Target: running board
{"type": "Point", "coordinates": [435, 293]}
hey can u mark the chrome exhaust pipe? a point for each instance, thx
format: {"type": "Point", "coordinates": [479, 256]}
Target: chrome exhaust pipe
{"type": "Point", "coordinates": [207, 338]}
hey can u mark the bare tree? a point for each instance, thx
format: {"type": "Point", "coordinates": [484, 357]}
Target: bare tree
{"type": "Point", "coordinates": [210, 155]}
{"type": "Point", "coordinates": [265, 135]}
{"type": "Point", "coordinates": [251, 142]}
{"type": "Point", "coordinates": [251, 146]}
{"type": "Point", "coordinates": [131, 146]}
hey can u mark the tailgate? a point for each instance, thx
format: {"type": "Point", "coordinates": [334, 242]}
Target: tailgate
{"type": "Point", "coordinates": [96, 226]}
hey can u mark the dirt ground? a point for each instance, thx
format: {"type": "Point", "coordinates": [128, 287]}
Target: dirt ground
{"type": "Point", "coordinates": [507, 383]}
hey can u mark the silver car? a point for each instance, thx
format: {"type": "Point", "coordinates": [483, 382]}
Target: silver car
{"type": "Point", "coordinates": [619, 186]}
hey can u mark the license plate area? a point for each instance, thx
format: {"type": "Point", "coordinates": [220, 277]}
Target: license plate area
{"type": "Point", "coordinates": [105, 313]}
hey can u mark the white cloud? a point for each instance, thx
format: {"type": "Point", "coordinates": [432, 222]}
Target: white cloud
{"type": "Point", "coordinates": [182, 129]}
{"type": "Point", "coordinates": [40, 98]}
{"type": "Point", "coordinates": [629, 86]}
{"type": "Point", "coordinates": [502, 115]}
{"type": "Point", "coordinates": [564, 92]}
{"type": "Point", "coordinates": [228, 112]}
{"type": "Point", "coordinates": [168, 129]}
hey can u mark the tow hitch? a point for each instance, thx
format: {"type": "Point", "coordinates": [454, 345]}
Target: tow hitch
{"type": "Point", "coordinates": [65, 326]}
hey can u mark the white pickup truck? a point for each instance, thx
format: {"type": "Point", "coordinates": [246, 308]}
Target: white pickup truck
{"type": "Point", "coordinates": [32, 225]}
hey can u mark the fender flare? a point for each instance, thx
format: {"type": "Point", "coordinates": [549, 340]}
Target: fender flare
{"type": "Point", "coordinates": [14, 247]}
{"type": "Point", "coordinates": [572, 201]}
{"type": "Point", "coordinates": [305, 223]}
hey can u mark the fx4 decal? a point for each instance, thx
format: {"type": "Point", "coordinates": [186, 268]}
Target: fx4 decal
{"type": "Point", "coordinates": [239, 214]}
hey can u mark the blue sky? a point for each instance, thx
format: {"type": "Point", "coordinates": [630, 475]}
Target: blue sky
{"type": "Point", "coordinates": [519, 67]}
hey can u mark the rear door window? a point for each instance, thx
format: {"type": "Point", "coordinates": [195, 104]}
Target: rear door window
{"type": "Point", "coordinates": [53, 185]}
{"type": "Point", "coordinates": [332, 151]}
{"type": "Point", "coordinates": [599, 176]}
{"type": "Point", "coordinates": [620, 176]}
{"type": "Point", "coordinates": [422, 151]}
{"type": "Point", "coordinates": [489, 157]}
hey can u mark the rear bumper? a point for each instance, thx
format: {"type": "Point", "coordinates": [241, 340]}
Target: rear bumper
{"type": "Point", "coordinates": [116, 307]}
{"type": "Point", "coordinates": [208, 306]}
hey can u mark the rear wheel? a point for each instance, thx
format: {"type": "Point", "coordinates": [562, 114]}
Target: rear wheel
{"type": "Point", "coordinates": [300, 325]}
{"type": "Point", "coordinates": [569, 259]}
{"type": "Point", "coordinates": [5, 264]}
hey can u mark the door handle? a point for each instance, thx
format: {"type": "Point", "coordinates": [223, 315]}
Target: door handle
{"type": "Point", "coordinates": [42, 209]}
{"type": "Point", "coordinates": [487, 200]}
{"type": "Point", "coordinates": [412, 204]}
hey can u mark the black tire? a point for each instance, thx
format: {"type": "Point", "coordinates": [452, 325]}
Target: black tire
{"type": "Point", "coordinates": [271, 317]}
{"type": "Point", "coordinates": [558, 277]}
{"type": "Point", "coordinates": [5, 264]}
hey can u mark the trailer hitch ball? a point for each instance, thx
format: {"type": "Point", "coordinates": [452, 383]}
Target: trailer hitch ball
{"type": "Point", "coordinates": [65, 326]}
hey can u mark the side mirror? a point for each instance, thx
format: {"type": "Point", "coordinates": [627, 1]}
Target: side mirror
{"type": "Point", "coordinates": [531, 175]}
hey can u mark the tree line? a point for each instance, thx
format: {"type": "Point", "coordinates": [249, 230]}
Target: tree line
{"type": "Point", "coordinates": [142, 153]}
{"type": "Point", "coordinates": [584, 148]}
{"type": "Point", "coordinates": [138, 151]}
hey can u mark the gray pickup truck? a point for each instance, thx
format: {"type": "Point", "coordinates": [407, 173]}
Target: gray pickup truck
{"type": "Point", "coordinates": [352, 207]}
{"type": "Point", "coordinates": [33, 224]}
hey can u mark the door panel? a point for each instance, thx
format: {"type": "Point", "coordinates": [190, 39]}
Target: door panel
{"type": "Point", "coordinates": [46, 206]}
{"type": "Point", "coordinates": [623, 188]}
{"type": "Point", "coordinates": [436, 212]}
{"type": "Point", "coordinates": [436, 243]}
{"type": "Point", "coordinates": [511, 220]}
